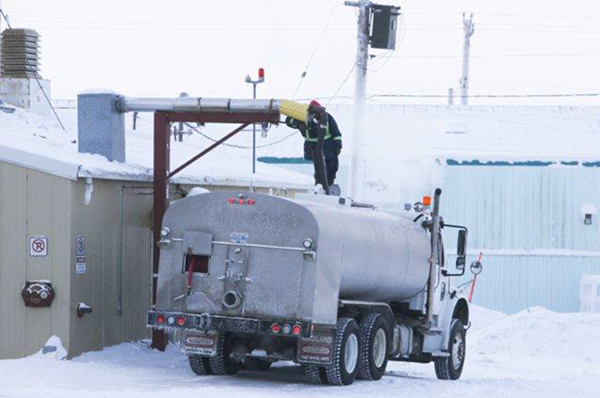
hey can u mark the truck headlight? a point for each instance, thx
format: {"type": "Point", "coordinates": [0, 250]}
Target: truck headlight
{"type": "Point", "coordinates": [308, 243]}
{"type": "Point", "coordinates": [164, 232]}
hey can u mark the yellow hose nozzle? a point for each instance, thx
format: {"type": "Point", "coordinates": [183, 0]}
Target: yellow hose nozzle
{"type": "Point", "coordinates": [294, 110]}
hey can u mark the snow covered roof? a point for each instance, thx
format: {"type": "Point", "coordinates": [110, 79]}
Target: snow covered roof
{"type": "Point", "coordinates": [39, 143]}
{"type": "Point", "coordinates": [466, 133]}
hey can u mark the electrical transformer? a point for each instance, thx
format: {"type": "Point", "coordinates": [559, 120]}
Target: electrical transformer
{"type": "Point", "coordinates": [385, 26]}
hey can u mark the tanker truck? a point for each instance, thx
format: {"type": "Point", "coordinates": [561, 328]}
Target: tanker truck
{"type": "Point", "coordinates": [339, 287]}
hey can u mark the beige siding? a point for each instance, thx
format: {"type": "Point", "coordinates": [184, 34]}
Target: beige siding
{"type": "Point", "coordinates": [32, 203]}
{"type": "Point", "coordinates": [117, 288]}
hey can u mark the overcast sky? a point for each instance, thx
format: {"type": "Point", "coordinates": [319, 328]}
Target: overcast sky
{"type": "Point", "coordinates": [161, 48]}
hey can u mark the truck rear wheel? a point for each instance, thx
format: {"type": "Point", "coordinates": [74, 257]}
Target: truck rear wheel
{"type": "Point", "coordinates": [343, 370]}
{"type": "Point", "coordinates": [374, 338]}
{"type": "Point", "coordinates": [222, 363]}
{"type": "Point", "coordinates": [200, 365]}
{"type": "Point", "coordinates": [450, 367]}
{"type": "Point", "coordinates": [315, 374]}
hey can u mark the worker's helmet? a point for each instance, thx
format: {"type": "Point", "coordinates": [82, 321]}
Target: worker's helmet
{"type": "Point", "coordinates": [316, 103]}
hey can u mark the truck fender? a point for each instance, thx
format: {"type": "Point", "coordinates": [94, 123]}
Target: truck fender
{"type": "Point", "coordinates": [436, 339]}
{"type": "Point", "coordinates": [456, 308]}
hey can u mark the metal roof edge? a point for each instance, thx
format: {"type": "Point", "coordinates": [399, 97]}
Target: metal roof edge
{"type": "Point", "coordinates": [183, 180]}
{"type": "Point", "coordinates": [37, 162]}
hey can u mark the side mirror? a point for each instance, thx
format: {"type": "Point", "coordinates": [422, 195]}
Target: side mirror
{"type": "Point", "coordinates": [461, 250]}
{"type": "Point", "coordinates": [476, 267]}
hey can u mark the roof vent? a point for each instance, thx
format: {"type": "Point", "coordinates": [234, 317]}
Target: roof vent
{"type": "Point", "coordinates": [20, 53]}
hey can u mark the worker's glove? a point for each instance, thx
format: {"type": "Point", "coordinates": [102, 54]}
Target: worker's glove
{"type": "Point", "coordinates": [292, 123]}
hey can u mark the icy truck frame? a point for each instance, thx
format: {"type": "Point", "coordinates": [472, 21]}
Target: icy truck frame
{"type": "Point", "coordinates": [339, 287]}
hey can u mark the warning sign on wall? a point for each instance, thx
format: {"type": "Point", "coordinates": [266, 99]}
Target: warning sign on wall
{"type": "Point", "coordinates": [38, 246]}
{"type": "Point", "coordinates": [80, 263]}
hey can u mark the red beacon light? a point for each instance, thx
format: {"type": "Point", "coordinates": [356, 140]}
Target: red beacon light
{"type": "Point", "coordinates": [251, 202]}
{"type": "Point", "coordinates": [231, 201]}
{"type": "Point", "coordinates": [160, 319]}
{"type": "Point", "coordinates": [261, 73]}
{"type": "Point", "coordinates": [426, 201]}
{"type": "Point", "coordinates": [275, 328]}
{"type": "Point", "coordinates": [181, 321]}
{"type": "Point", "coordinates": [241, 201]}
{"type": "Point", "coordinates": [296, 330]}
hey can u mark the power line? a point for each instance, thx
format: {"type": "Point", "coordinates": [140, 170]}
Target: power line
{"type": "Point", "coordinates": [315, 50]}
{"type": "Point", "coordinates": [559, 95]}
{"type": "Point", "coordinates": [238, 146]}
{"type": "Point", "coordinates": [166, 13]}
{"type": "Point", "coordinates": [342, 85]}
{"type": "Point", "coordinates": [35, 75]}
{"type": "Point", "coordinates": [558, 55]}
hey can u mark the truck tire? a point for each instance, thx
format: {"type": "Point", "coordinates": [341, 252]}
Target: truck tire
{"type": "Point", "coordinates": [450, 367]}
{"type": "Point", "coordinates": [256, 364]}
{"type": "Point", "coordinates": [315, 374]}
{"type": "Point", "coordinates": [222, 363]}
{"type": "Point", "coordinates": [374, 343]}
{"type": "Point", "coordinates": [200, 365]}
{"type": "Point", "coordinates": [343, 370]}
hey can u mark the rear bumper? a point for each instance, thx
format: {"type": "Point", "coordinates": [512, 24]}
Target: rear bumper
{"type": "Point", "coordinates": [253, 326]}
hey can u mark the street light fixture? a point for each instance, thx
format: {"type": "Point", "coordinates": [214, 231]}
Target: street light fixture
{"type": "Point", "coordinates": [261, 78]}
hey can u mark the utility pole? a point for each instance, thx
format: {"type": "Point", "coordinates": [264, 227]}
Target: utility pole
{"type": "Point", "coordinates": [362, 49]}
{"type": "Point", "coordinates": [469, 29]}
{"type": "Point", "coordinates": [261, 78]}
{"type": "Point", "coordinates": [357, 163]}
{"type": "Point", "coordinates": [383, 19]}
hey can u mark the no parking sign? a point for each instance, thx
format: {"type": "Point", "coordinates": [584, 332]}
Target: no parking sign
{"type": "Point", "coordinates": [38, 246]}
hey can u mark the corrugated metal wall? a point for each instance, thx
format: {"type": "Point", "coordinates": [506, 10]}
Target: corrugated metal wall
{"type": "Point", "coordinates": [527, 222]}
{"type": "Point", "coordinates": [117, 280]}
{"type": "Point", "coordinates": [32, 204]}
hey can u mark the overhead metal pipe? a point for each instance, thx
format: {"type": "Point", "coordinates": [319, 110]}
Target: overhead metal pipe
{"type": "Point", "coordinates": [183, 104]}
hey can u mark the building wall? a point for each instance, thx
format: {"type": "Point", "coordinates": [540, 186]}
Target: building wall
{"type": "Point", "coordinates": [527, 222]}
{"type": "Point", "coordinates": [117, 279]}
{"type": "Point", "coordinates": [32, 203]}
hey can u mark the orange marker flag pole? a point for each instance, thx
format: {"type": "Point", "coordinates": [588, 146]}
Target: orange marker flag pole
{"type": "Point", "coordinates": [474, 280]}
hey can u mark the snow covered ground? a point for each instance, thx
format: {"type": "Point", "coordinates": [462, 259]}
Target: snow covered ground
{"type": "Point", "coordinates": [535, 353]}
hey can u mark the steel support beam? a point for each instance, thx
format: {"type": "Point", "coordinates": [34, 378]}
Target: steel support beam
{"type": "Point", "coordinates": [223, 117]}
{"type": "Point", "coordinates": [207, 150]}
{"type": "Point", "coordinates": [161, 202]}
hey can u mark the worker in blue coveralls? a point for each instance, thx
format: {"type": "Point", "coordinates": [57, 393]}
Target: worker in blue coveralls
{"type": "Point", "coordinates": [318, 119]}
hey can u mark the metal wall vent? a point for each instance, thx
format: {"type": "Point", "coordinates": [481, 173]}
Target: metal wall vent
{"type": "Point", "coordinates": [20, 53]}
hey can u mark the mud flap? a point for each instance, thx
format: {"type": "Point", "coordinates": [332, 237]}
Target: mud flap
{"type": "Point", "coordinates": [200, 342]}
{"type": "Point", "coordinates": [317, 349]}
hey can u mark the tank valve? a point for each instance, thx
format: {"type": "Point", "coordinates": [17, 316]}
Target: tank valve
{"type": "Point", "coordinates": [232, 299]}
{"type": "Point", "coordinates": [82, 309]}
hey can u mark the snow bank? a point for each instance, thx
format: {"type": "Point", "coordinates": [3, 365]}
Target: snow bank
{"type": "Point", "coordinates": [53, 349]}
{"type": "Point", "coordinates": [481, 317]}
{"type": "Point", "coordinates": [537, 343]}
